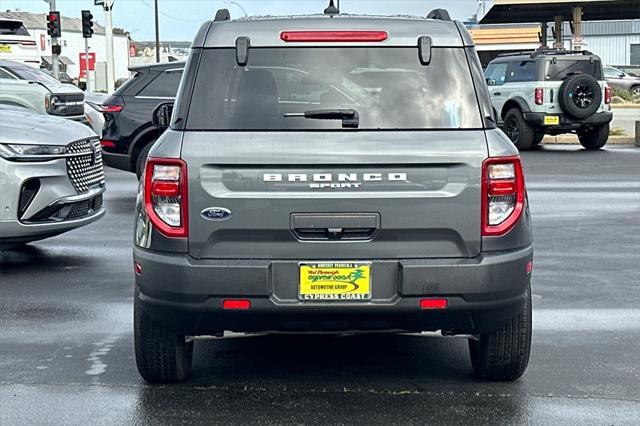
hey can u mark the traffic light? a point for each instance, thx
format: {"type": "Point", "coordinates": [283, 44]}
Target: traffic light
{"type": "Point", "coordinates": [87, 24]}
{"type": "Point", "coordinates": [53, 24]}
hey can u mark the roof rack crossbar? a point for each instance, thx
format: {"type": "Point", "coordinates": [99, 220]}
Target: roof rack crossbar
{"type": "Point", "coordinates": [222, 15]}
{"type": "Point", "coordinates": [440, 14]}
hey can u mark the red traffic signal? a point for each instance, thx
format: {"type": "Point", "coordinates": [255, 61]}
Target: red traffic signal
{"type": "Point", "coordinates": [53, 24]}
{"type": "Point", "coordinates": [87, 24]}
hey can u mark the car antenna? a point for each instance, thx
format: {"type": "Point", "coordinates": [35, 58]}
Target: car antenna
{"type": "Point", "coordinates": [331, 10]}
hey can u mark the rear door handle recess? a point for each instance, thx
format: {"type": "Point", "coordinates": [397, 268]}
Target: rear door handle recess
{"type": "Point", "coordinates": [334, 226]}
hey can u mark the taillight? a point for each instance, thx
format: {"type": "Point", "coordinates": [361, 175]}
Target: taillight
{"type": "Point", "coordinates": [503, 194]}
{"type": "Point", "coordinates": [111, 108]}
{"type": "Point", "coordinates": [332, 36]}
{"type": "Point", "coordinates": [539, 95]}
{"type": "Point", "coordinates": [607, 95]}
{"type": "Point", "coordinates": [107, 144]}
{"type": "Point", "coordinates": [165, 196]}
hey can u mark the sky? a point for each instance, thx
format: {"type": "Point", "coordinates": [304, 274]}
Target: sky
{"type": "Point", "coordinates": [180, 19]}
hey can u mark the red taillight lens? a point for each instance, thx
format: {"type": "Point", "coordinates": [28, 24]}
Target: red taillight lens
{"type": "Point", "coordinates": [433, 303]}
{"type": "Point", "coordinates": [503, 194]}
{"type": "Point", "coordinates": [111, 108]}
{"type": "Point", "coordinates": [165, 196]}
{"type": "Point", "coordinates": [236, 304]}
{"type": "Point", "coordinates": [607, 95]}
{"type": "Point", "coordinates": [107, 144]}
{"type": "Point", "coordinates": [332, 36]}
{"type": "Point", "coordinates": [539, 95]}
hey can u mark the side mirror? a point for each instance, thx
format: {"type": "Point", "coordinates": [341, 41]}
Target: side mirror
{"type": "Point", "coordinates": [162, 115]}
{"type": "Point", "coordinates": [491, 82]}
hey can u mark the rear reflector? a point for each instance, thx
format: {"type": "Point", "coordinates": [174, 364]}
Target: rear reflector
{"type": "Point", "coordinates": [137, 268]}
{"type": "Point", "coordinates": [433, 303]}
{"type": "Point", "coordinates": [107, 144]}
{"type": "Point", "coordinates": [332, 36]}
{"type": "Point", "coordinates": [529, 266]}
{"type": "Point", "coordinates": [236, 304]}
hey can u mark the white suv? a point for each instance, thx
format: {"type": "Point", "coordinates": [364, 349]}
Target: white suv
{"type": "Point", "coordinates": [549, 92]}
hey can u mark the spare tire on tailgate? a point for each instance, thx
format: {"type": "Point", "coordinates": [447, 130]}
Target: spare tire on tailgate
{"type": "Point", "coordinates": [580, 96]}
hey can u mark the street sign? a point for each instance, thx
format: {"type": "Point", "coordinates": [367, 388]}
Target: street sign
{"type": "Point", "coordinates": [83, 63]}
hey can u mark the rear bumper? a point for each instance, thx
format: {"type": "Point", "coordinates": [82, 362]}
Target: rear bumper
{"type": "Point", "coordinates": [186, 295]}
{"type": "Point", "coordinates": [536, 119]}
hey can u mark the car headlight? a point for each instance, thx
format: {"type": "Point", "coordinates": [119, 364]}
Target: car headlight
{"type": "Point", "coordinates": [20, 152]}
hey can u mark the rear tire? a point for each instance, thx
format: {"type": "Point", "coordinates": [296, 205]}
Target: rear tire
{"type": "Point", "coordinates": [503, 354]}
{"type": "Point", "coordinates": [162, 356]}
{"type": "Point", "coordinates": [595, 138]}
{"type": "Point", "coordinates": [537, 138]}
{"type": "Point", "coordinates": [142, 159]}
{"type": "Point", "coordinates": [520, 133]}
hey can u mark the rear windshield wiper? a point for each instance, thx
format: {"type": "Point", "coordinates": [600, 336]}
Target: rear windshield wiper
{"type": "Point", "coordinates": [349, 117]}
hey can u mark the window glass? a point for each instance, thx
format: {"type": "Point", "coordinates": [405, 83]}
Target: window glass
{"type": "Point", "coordinates": [563, 68]}
{"type": "Point", "coordinates": [634, 54]}
{"type": "Point", "coordinates": [32, 74]}
{"type": "Point", "coordinates": [497, 72]}
{"type": "Point", "coordinates": [164, 85]}
{"type": "Point", "coordinates": [521, 71]}
{"type": "Point", "coordinates": [5, 75]}
{"type": "Point", "coordinates": [388, 87]}
{"type": "Point", "coordinates": [13, 28]}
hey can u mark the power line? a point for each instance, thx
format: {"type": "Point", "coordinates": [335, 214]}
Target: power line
{"type": "Point", "coordinates": [166, 15]}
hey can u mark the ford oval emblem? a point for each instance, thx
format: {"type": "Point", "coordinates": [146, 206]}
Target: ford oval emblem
{"type": "Point", "coordinates": [216, 213]}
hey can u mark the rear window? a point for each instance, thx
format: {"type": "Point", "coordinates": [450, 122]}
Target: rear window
{"type": "Point", "coordinates": [563, 68]}
{"type": "Point", "coordinates": [388, 87]}
{"type": "Point", "coordinates": [13, 28]}
{"type": "Point", "coordinates": [164, 85]}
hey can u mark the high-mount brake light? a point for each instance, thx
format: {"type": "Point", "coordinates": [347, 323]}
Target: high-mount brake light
{"type": "Point", "coordinates": [333, 36]}
{"type": "Point", "coordinates": [503, 194]}
{"type": "Point", "coordinates": [165, 196]}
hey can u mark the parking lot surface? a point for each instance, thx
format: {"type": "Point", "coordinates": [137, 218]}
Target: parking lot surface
{"type": "Point", "coordinates": [66, 344]}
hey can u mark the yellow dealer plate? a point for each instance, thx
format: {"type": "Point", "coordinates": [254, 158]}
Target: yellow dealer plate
{"type": "Point", "coordinates": [551, 120]}
{"type": "Point", "coordinates": [5, 48]}
{"type": "Point", "coordinates": [335, 281]}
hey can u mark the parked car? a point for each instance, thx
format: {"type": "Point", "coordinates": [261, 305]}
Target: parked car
{"type": "Point", "coordinates": [302, 186]}
{"type": "Point", "coordinates": [33, 88]}
{"type": "Point", "coordinates": [621, 80]}
{"type": "Point", "coordinates": [51, 174]}
{"type": "Point", "coordinates": [550, 92]}
{"type": "Point", "coordinates": [128, 133]}
{"type": "Point", "coordinates": [17, 44]}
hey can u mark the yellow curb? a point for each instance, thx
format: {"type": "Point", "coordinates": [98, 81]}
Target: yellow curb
{"type": "Point", "coordinates": [573, 139]}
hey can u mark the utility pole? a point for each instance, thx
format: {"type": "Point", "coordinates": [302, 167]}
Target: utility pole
{"type": "Point", "coordinates": [54, 46]}
{"type": "Point", "coordinates": [111, 70]}
{"type": "Point", "coordinates": [157, 33]}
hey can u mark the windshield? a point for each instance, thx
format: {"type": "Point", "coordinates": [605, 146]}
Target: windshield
{"type": "Point", "coordinates": [562, 69]}
{"type": "Point", "coordinates": [388, 88]}
{"type": "Point", "coordinates": [13, 28]}
{"type": "Point", "coordinates": [32, 74]}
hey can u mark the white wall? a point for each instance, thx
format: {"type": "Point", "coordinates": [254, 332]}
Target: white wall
{"type": "Point", "coordinates": [75, 45]}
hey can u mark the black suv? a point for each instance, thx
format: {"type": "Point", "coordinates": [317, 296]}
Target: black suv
{"type": "Point", "coordinates": [128, 133]}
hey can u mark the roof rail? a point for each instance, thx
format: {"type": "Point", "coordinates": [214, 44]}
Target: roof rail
{"type": "Point", "coordinates": [222, 15]}
{"type": "Point", "coordinates": [549, 52]}
{"type": "Point", "coordinates": [440, 14]}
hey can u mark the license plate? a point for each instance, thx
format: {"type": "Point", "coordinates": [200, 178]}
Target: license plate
{"type": "Point", "coordinates": [5, 48]}
{"type": "Point", "coordinates": [335, 281]}
{"type": "Point", "coordinates": [551, 120]}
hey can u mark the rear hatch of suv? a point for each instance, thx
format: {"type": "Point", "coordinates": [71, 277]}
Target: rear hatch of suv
{"type": "Point", "coordinates": [333, 152]}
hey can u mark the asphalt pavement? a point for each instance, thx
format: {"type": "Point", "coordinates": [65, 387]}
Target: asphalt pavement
{"type": "Point", "coordinates": [66, 344]}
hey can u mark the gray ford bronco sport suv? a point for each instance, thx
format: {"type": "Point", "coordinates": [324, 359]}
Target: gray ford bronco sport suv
{"type": "Point", "coordinates": [332, 174]}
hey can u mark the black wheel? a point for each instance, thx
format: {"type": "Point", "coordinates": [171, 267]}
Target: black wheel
{"type": "Point", "coordinates": [503, 354]}
{"type": "Point", "coordinates": [162, 356]}
{"type": "Point", "coordinates": [594, 138]}
{"type": "Point", "coordinates": [142, 159]}
{"type": "Point", "coordinates": [580, 96]}
{"type": "Point", "coordinates": [537, 138]}
{"type": "Point", "coordinates": [520, 133]}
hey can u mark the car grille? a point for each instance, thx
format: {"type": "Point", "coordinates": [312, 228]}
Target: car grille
{"type": "Point", "coordinates": [85, 171]}
{"type": "Point", "coordinates": [68, 105]}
